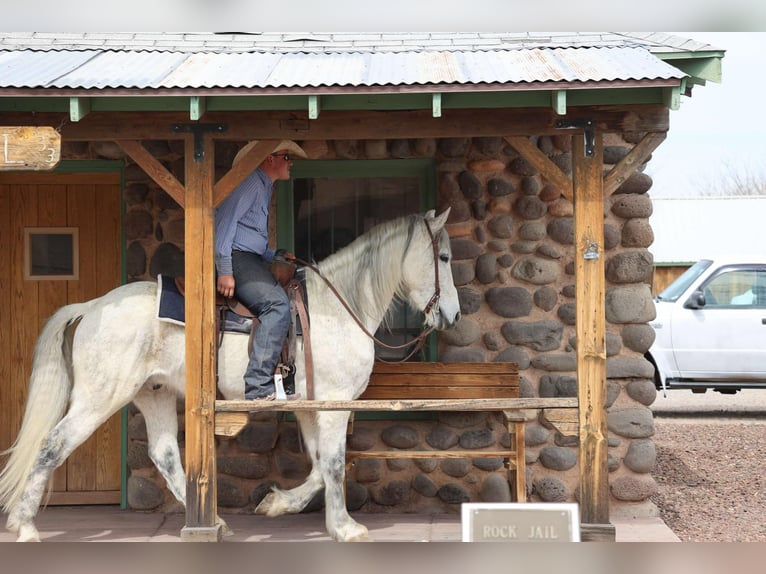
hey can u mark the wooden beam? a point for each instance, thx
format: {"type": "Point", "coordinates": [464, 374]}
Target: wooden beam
{"type": "Point", "coordinates": [559, 101]}
{"type": "Point", "coordinates": [313, 107]}
{"type": "Point", "coordinates": [628, 165]}
{"type": "Point", "coordinates": [153, 169]}
{"type": "Point", "coordinates": [78, 108]}
{"type": "Point", "coordinates": [591, 328]}
{"type": "Point", "coordinates": [436, 105]}
{"type": "Point", "coordinates": [248, 125]}
{"type": "Point", "coordinates": [245, 166]}
{"type": "Point", "coordinates": [201, 505]}
{"type": "Point", "coordinates": [197, 107]}
{"type": "Point", "coordinates": [550, 171]}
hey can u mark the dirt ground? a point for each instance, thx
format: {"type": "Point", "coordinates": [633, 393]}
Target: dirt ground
{"type": "Point", "coordinates": [711, 474]}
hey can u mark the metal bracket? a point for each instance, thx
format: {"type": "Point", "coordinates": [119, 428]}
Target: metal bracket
{"type": "Point", "coordinates": [199, 130]}
{"type": "Point", "coordinates": [587, 127]}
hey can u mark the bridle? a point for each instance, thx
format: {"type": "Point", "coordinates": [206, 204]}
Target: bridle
{"type": "Point", "coordinates": [419, 341]}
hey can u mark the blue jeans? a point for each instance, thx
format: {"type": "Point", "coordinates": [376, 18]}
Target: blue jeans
{"type": "Point", "coordinates": [257, 289]}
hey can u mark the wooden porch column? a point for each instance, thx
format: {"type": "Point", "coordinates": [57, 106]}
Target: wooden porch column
{"type": "Point", "coordinates": [201, 504]}
{"type": "Point", "coordinates": [588, 187]}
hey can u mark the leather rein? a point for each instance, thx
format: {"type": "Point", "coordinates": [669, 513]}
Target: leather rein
{"type": "Point", "coordinates": [419, 341]}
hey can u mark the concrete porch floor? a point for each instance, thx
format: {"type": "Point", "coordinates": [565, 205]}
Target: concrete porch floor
{"type": "Point", "coordinates": [111, 524]}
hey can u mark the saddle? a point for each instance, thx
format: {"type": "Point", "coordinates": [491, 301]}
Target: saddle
{"type": "Point", "coordinates": [284, 272]}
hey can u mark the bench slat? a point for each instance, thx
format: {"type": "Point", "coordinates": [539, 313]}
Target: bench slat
{"type": "Point", "coordinates": [352, 454]}
{"type": "Point", "coordinates": [398, 405]}
{"type": "Point", "coordinates": [446, 368]}
{"type": "Point", "coordinates": [443, 392]}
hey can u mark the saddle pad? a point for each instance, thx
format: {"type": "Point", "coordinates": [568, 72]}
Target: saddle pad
{"type": "Point", "coordinates": [170, 308]}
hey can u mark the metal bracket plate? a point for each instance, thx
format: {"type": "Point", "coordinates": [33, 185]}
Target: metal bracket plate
{"type": "Point", "coordinates": [584, 124]}
{"type": "Point", "coordinates": [199, 130]}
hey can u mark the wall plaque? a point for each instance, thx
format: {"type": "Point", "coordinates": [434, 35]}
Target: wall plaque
{"type": "Point", "coordinates": [29, 148]}
{"type": "Point", "coordinates": [520, 522]}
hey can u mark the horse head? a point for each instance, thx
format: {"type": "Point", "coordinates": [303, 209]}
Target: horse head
{"type": "Point", "coordinates": [427, 273]}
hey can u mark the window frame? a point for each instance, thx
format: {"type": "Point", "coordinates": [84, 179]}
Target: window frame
{"type": "Point", "coordinates": [73, 232]}
{"type": "Point", "coordinates": [424, 169]}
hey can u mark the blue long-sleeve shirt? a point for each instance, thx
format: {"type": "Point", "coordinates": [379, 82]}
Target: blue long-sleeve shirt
{"type": "Point", "coordinates": [242, 221]}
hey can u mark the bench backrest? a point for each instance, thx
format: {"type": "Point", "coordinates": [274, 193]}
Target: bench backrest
{"type": "Point", "coordinates": [443, 381]}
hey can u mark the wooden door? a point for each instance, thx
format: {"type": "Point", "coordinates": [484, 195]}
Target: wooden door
{"type": "Point", "coordinates": [88, 206]}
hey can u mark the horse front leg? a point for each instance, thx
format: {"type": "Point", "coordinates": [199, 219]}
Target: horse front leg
{"type": "Point", "coordinates": [332, 427]}
{"type": "Point", "coordinates": [159, 410]}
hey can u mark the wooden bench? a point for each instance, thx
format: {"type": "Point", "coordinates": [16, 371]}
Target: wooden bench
{"type": "Point", "coordinates": [460, 383]}
{"type": "Point", "coordinates": [432, 387]}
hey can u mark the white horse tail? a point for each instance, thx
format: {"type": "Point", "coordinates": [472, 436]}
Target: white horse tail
{"type": "Point", "coordinates": [48, 395]}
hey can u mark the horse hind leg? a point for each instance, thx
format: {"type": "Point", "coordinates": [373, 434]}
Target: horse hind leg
{"type": "Point", "coordinates": [279, 501]}
{"type": "Point", "coordinates": [73, 430]}
{"type": "Point", "coordinates": [161, 419]}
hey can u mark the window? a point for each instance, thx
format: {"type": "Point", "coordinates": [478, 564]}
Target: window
{"type": "Point", "coordinates": [327, 204]}
{"type": "Point", "coordinates": [736, 288]}
{"type": "Point", "coordinates": [51, 253]}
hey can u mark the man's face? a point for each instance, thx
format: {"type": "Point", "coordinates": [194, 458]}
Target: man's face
{"type": "Point", "coordinates": [281, 165]}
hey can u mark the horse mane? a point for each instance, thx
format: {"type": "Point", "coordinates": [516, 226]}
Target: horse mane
{"type": "Point", "coordinates": [372, 255]}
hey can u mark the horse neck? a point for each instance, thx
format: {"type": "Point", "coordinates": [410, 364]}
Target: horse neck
{"type": "Point", "coordinates": [368, 274]}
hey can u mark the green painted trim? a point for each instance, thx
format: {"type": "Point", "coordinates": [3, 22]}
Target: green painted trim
{"type": "Point", "coordinates": [111, 166]}
{"type": "Point", "coordinates": [196, 107]}
{"type": "Point", "coordinates": [78, 108]}
{"type": "Point", "coordinates": [423, 168]}
{"type": "Point", "coordinates": [436, 105]}
{"type": "Point", "coordinates": [313, 107]}
{"type": "Point", "coordinates": [673, 98]}
{"type": "Point", "coordinates": [350, 102]}
{"type": "Point", "coordinates": [702, 65]}
{"type": "Point", "coordinates": [559, 101]}
{"type": "Point", "coordinates": [91, 166]}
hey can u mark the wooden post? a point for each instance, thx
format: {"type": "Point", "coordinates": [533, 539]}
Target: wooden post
{"type": "Point", "coordinates": [201, 506]}
{"type": "Point", "coordinates": [591, 328]}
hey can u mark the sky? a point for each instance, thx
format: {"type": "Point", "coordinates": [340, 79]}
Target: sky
{"type": "Point", "coordinates": [721, 127]}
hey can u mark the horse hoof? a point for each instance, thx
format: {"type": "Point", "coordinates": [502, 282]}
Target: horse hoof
{"type": "Point", "coordinates": [225, 530]}
{"type": "Point", "coordinates": [266, 505]}
{"type": "Point", "coordinates": [28, 533]}
{"type": "Point", "coordinates": [354, 533]}
{"type": "Point", "coordinates": [273, 504]}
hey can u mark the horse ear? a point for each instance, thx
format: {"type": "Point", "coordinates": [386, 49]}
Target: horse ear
{"type": "Point", "coordinates": [439, 220]}
{"type": "Point", "coordinates": [430, 214]}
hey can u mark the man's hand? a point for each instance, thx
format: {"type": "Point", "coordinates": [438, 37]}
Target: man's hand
{"type": "Point", "coordinates": [283, 254]}
{"type": "Point", "coordinates": [225, 285]}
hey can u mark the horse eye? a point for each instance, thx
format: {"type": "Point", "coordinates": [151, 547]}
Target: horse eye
{"type": "Point", "coordinates": [444, 258]}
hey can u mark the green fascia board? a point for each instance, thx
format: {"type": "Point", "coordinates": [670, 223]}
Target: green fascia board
{"type": "Point", "coordinates": [702, 66]}
{"type": "Point", "coordinates": [422, 168]}
{"type": "Point", "coordinates": [341, 102]}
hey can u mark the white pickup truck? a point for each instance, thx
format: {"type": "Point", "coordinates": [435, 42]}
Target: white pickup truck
{"type": "Point", "coordinates": [711, 328]}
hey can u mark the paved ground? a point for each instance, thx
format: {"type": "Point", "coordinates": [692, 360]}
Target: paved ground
{"type": "Point", "coordinates": [110, 524]}
{"type": "Point", "coordinates": [684, 403]}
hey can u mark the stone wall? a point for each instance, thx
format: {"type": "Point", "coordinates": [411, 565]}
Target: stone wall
{"type": "Point", "coordinates": [512, 236]}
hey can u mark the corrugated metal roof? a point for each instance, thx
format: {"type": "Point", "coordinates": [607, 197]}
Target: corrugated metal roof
{"type": "Point", "coordinates": [151, 70]}
{"type": "Point", "coordinates": [343, 42]}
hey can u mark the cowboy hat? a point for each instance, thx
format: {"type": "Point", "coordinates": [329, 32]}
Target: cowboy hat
{"type": "Point", "coordinates": [289, 146]}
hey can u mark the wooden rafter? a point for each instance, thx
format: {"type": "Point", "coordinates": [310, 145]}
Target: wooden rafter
{"type": "Point", "coordinates": [549, 170]}
{"type": "Point", "coordinates": [244, 167]}
{"type": "Point", "coordinates": [631, 162]}
{"type": "Point", "coordinates": [154, 169]}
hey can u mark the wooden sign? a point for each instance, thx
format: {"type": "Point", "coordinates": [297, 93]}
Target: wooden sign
{"type": "Point", "coordinates": [29, 148]}
{"type": "Point", "coordinates": [520, 522]}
